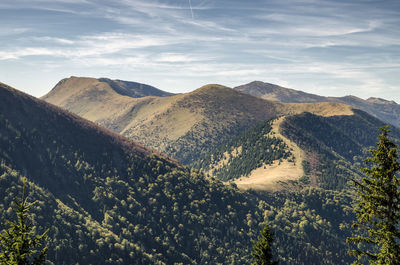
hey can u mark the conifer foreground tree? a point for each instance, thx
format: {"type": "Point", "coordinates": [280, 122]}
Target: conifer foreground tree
{"type": "Point", "coordinates": [378, 209]}
{"type": "Point", "coordinates": [18, 244]}
{"type": "Point", "coordinates": [262, 249]}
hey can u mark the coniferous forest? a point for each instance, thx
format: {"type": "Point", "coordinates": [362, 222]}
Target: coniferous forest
{"type": "Point", "coordinates": [243, 153]}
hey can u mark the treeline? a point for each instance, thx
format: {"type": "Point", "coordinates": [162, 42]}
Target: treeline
{"type": "Point", "coordinates": [107, 205]}
{"type": "Point", "coordinates": [241, 154]}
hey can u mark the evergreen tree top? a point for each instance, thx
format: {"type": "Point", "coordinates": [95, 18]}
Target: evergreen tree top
{"type": "Point", "coordinates": [18, 243]}
{"type": "Point", "coordinates": [378, 209]}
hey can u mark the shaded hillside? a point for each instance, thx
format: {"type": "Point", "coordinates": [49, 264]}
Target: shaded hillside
{"type": "Point", "coordinates": [308, 222]}
{"type": "Point", "coordinates": [109, 200]}
{"type": "Point", "coordinates": [187, 125]}
{"type": "Point", "coordinates": [388, 111]}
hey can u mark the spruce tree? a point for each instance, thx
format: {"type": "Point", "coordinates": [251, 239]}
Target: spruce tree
{"type": "Point", "coordinates": [262, 249]}
{"type": "Point", "coordinates": [18, 243]}
{"type": "Point", "coordinates": [378, 209]}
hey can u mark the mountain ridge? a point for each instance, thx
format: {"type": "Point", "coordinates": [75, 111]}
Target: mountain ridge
{"type": "Point", "coordinates": [69, 88]}
{"type": "Point", "coordinates": [386, 110]}
{"type": "Point", "coordinates": [177, 124]}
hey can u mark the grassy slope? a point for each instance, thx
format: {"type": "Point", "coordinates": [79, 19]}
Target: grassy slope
{"type": "Point", "coordinates": [276, 175]}
{"type": "Point", "coordinates": [179, 124]}
{"type": "Point", "coordinates": [109, 200]}
{"type": "Point", "coordinates": [240, 155]}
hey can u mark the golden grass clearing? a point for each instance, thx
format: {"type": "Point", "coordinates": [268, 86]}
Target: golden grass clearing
{"type": "Point", "coordinates": [325, 109]}
{"type": "Point", "coordinates": [269, 177]}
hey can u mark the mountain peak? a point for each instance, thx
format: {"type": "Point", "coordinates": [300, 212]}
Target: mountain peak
{"type": "Point", "coordinates": [92, 87]}
{"type": "Point", "coordinates": [91, 184]}
{"type": "Point", "coordinates": [277, 93]}
{"type": "Point", "coordinates": [261, 83]}
{"type": "Point", "coordinates": [213, 89]}
{"type": "Point", "coordinates": [256, 82]}
{"type": "Point", "coordinates": [259, 87]}
{"type": "Point", "coordinates": [380, 101]}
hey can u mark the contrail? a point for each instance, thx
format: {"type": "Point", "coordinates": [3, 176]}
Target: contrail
{"type": "Point", "coordinates": [191, 9]}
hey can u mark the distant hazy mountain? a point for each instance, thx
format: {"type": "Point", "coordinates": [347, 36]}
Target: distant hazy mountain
{"type": "Point", "coordinates": [182, 126]}
{"type": "Point", "coordinates": [388, 111]}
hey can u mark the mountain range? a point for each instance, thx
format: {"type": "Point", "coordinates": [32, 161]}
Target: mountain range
{"type": "Point", "coordinates": [107, 199]}
{"type": "Point", "coordinates": [214, 129]}
{"type": "Point", "coordinates": [177, 125]}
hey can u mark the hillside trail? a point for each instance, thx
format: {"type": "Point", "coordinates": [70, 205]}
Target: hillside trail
{"type": "Point", "coordinates": [273, 177]}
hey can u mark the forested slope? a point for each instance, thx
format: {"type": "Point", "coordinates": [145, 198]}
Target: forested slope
{"type": "Point", "coordinates": [109, 200]}
{"type": "Point", "coordinates": [336, 146]}
{"type": "Point", "coordinates": [241, 154]}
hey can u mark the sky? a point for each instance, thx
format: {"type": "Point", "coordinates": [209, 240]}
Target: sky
{"type": "Point", "coordinates": [326, 47]}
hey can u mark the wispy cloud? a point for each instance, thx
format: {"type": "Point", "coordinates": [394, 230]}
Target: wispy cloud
{"type": "Point", "coordinates": [55, 40]}
{"type": "Point", "coordinates": [91, 45]}
{"type": "Point", "coordinates": [308, 44]}
{"type": "Point", "coordinates": [13, 31]}
{"type": "Point", "coordinates": [180, 58]}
